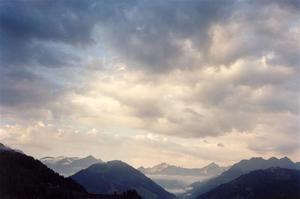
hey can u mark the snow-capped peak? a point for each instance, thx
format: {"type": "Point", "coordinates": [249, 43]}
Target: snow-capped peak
{"type": "Point", "coordinates": [159, 167]}
{"type": "Point", "coordinates": [63, 159]}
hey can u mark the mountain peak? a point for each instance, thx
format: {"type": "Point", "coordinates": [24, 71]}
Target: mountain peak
{"type": "Point", "coordinates": [67, 166]}
{"type": "Point", "coordinates": [257, 158]}
{"type": "Point", "coordinates": [274, 181]}
{"type": "Point", "coordinates": [259, 162]}
{"type": "Point", "coordinates": [273, 159]}
{"type": "Point", "coordinates": [166, 169]}
{"type": "Point", "coordinates": [213, 164]}
{"type": "Point", "coordinates": [38, 181]}
{"type": "Point", "coordinates": [286, 159]}
{"type": "Point", "coordinates": [240, 168]}
{"type": "Point", "coordinates": [160, 167]}
{"type": "Point", "coordinates": [89, 157]}
{"type": "Point", "coordinates": [5, 148]}
{"type": "Point", "coordinates": [119, 165]}
{"type": "Point", "coordinates": [117, 176]}
{"type": "Point", "coordinates": [163, 164]}
{"type": "Point", "coordinates": [117, 162]}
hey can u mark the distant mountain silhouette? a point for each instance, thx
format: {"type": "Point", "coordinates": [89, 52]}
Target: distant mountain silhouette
{"type": "Point", "coordinates": [23, 177]}
{"type": "Point", "coordinates": [67, 166]}
{"type": "Point", "coordinates": [117, 176]}
{"type": "Point", "coordinates": [166, 169]}
{"type": "Point", "coordinates": [238, 169]}
{"type": "Point", "coordinates": [271, 183]}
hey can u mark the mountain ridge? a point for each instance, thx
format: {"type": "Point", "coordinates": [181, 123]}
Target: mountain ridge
{"type": "Point", "coordinates": [68, 166]}
{"type": "Point", "coordinates": [117, 176]}
{"type": "Point", "coordinates": [23, 177]}
{"type": "Point", "coordinates": [238, 169]}
{"type": "Point", "coordinates": [167, 169]}
{"type": "Point", "coordinates": [274, 182]}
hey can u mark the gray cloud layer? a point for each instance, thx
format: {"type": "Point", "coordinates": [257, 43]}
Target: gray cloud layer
{"type": "Point", "coordinates": [148, 33]}
{"type": "Point", "coordinates": [192, 68]}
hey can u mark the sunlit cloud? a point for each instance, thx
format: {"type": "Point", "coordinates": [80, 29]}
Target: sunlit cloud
{"type": "Point", "coordinates": [156, 80]}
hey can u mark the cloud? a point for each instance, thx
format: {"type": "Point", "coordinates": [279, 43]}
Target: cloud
{"type": "Point", "coordinates": [159, 36]}
{"type": "Point", "coordinates": [30, 27]}
{"type": "Point", "coordinates": [156, 35]}
{"type": "Point", "coordinates": [38, 34]}
{"type": "Point", "coordinates": [34, 140]}
{"type": "Point", "coordinates": [182, 104]}
{"type": "Point", "coordinates": [220, 145]}
{"type": "Point", "coordinates": [21, 88]}
{"type": "Point", "coordinates": [162, 36]}
{"type": "Point", "coordinates": [196, 69]}
{"type": "Point", "coordinates": [152, 36]}
{"type": "Point", "coordinates": [272, 136]}
{"type": "Point", "coordinates": [261, 35]}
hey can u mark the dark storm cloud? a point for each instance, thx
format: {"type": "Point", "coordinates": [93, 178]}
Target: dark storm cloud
{"type": "Point", "coordinates": [34, 28]}
{"type": "Point", "coordinates": [145, 33]}
{"type": "Point", "coordinates": [61, 21]}
{"type": "Point", "coordinates": [37, 34]}
{"type": "Point", "coordinates": [45, 34]}
{"type": "Point", "coordinates": [25, 25]}
{"type": "Point", "coordinates": [150, 34]}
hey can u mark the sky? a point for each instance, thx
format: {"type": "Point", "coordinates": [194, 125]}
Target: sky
{"type": "Point", "coordinates": [183, 82]}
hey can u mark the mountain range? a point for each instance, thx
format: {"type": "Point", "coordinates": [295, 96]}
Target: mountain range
{"type": "Point", "coordinates": [176, 179]}
{"type": "Point", "coordinates": [67, 166]}
{"type": "Point", "coordinates": [117, 176]}
{"type": "Point", "coordinates": [238, 169]}
{"type": "Point", "coordinates": [274, 183]}
{"type": "Point", "coordinates": [165, 169]}
{"type": "Point", "coordinates": [23, 177]}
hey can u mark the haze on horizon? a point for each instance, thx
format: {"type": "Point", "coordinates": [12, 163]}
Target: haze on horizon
{"type": "Point", "coordinates": [183, 82]}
